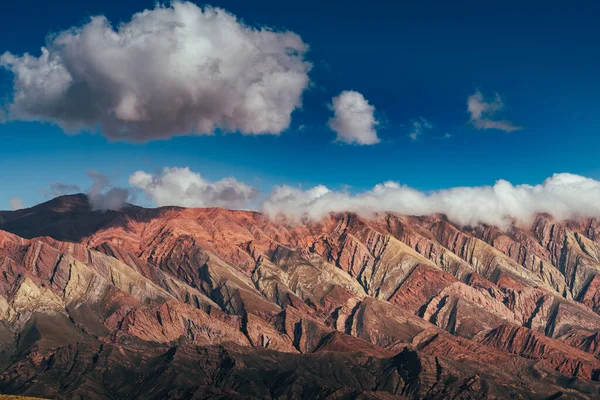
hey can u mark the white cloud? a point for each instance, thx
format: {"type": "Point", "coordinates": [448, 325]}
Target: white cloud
{"type": "Point", "coordinates": [482, 111]}
{"type": "Point", "coordinates": [562, 195]}
{"type": "Point", "coordinates": [173, 70]}
{"type": "Point", "coordinates": [103, 195]}
{"type": "Point", "coordinates": [418, 126]}
{"type": "Point", "coordinates": [185, 188]}
{"type": "Point", "coordinates": [354, 120]}
{"type": "Point", "coordinates": [16, 203]}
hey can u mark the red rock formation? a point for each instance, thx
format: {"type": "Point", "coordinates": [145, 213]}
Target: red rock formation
{"type": "Point", "coordinates": [346, 307]}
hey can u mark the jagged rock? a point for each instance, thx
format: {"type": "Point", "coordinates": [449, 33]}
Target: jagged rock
{"type": "Point", "coordinates": [212, 303]}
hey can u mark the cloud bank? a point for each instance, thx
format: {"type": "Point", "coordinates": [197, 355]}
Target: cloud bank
{"type": "Point", "coordinates": [562, 195]}
{"type": "Point", "coordinates": [483, 110]}
{"type": "Point", "coordinates": [173, 70]}
{"type": "Point", "coordinates": [182, 187]}
{"type": "Point", "coordinates": [103, 195]}
{"type": "Point", "coordinates": [354, 120]}
{"type": "Point", "coordinates": [16, 203]}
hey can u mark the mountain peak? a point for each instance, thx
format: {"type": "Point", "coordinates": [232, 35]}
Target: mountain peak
{"type": "Point", "coordinates": [78, 202]}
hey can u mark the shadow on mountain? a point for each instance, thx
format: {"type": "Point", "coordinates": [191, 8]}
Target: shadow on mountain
{"type": "Point", "coordinates": [70, 218]}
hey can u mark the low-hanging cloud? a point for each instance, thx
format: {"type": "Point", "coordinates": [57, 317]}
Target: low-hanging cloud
{"type": "Point", "coordinates": [16, 203]}
{"type": "Point", "coordinates": [60, 189]}
{"type": "Point", "coordinates": [563, 195]}
{"type": "Point", "coordinates": [353, 120]}
{"type": "Point", "coordinates": [103, 195]}
{"type": "Point", "coordinates": [173, 70]}
{"type": "Point", "coordinates": [482, 112]}
{"type": "Point", "coordinates": [185, 188]}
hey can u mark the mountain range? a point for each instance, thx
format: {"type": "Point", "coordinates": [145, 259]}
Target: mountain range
{"type": "Point", "coordinates": [176, 303]}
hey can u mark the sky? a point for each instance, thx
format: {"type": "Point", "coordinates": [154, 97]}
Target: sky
{"type": "Point", "coordinates": [344, 95]}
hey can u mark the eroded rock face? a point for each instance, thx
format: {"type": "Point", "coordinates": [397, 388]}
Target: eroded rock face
{"type": "Point", "coordinates": [211, 303]}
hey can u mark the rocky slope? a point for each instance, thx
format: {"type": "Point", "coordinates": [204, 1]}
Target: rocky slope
{"type": "Point", "coordinates": [211, 303]}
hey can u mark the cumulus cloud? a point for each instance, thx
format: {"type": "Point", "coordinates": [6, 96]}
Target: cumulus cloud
{"type": "Point", "coordinates": [16, 203]}
{"type": "Point", "coordinates": [103, 195]}
{"type": "Point", "coordinates": [185, 188]}
{"type": "Point", "coordinates": [173, 70]}
{"type": "Point", "coordinates": [483, 110]}
{"type": "Point", "coordinates": [353, 120]}
{"type": "Point", "coordinates": [418, 127]}
{"type": "Point", "coordinates": [562, 195]}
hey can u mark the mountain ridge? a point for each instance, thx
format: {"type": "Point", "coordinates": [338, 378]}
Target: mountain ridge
{"type": "Point", "coordinates": [415, 307]}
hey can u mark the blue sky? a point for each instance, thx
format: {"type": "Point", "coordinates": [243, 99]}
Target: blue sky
{"type": "Point", "coordinates": [412, 61]}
